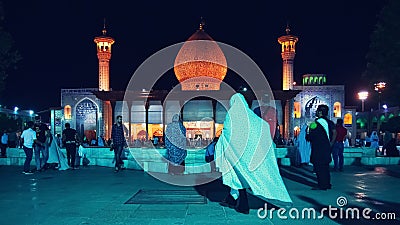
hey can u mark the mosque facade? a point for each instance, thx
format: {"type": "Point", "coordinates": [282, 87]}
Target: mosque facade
{"type": "Point", "coordinates": [92, 110]}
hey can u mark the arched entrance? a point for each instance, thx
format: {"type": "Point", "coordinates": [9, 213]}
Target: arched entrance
{"type": "Point", "coordinates": [86, 119]}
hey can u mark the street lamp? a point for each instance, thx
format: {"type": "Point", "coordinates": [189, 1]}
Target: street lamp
{"type": "Point", "coordinates": [31, 112]}
{"type": "Point", "coordinates": [362, 95]}
{"type": "Point", "coordinates": [379, 87]}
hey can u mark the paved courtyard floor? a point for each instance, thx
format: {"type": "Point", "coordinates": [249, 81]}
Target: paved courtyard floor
{"type": "Point", "coordinates": [97, 195]}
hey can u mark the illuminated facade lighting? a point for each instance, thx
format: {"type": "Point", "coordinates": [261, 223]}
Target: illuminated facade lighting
{"type": "Point", "coordinates": [200, 63]}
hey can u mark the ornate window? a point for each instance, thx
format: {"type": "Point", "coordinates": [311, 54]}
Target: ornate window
{"type": "Point", "coordinates": [85, 110]}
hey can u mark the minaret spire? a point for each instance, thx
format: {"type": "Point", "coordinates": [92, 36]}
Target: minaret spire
{"type": "Point", "coordinates": [288, 52]}
{"type": "Point", "coordinates": [104, 44]}
{"type": "Point", "coordinates": [104, 31]}
{"type": "Point", "coordinates": [202, 23]}
{"type": "Point", "coordinates": [288, 43]}
{"type": "Point", "coordinates": [287, 28]}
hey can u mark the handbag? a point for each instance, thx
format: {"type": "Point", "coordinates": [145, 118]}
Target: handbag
{"type": "Point", "coordinates": [210, 152]}
{"type": "Point", "coordinates": [85, 161]}
{"type": "Point", "coordinates": [125, 153]}
{"type": "Point", "coordinates": [209, 158]}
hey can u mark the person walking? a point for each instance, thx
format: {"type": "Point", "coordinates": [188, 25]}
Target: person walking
{"type": "Point", "coordinates": [118, 143]}
{"type": "Point", "coordinates": [175, 142]}
{"type": "Point", "coordinates": [245, 156]}
{"type": "Point", "coordinates": [70, 138]}
{"type": "Point", "coordinates": [56, 157]}
{"type": "Point", "coordinates": [28, 137]}
{"type": "Point", "coordinates": [338, 146]}
{"type": "Point", "coordinates": [322, 134]}
{"type": "Point", "coordinates": [4, 144]}
{"type": "Point", "coordinates": [40, 146]}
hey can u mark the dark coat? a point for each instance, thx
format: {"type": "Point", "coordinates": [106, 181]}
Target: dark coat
{"type": "Point", "coordinates": [320, 144]}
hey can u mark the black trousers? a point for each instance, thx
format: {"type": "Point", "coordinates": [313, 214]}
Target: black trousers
{"type": "Point", "coordinates": [3, 149]}
{"type": "Point", "coordinates": [117, 154]}
{"type": "Point", "coordinates": [71, 154]}
{"type": "Point", "coordinates": [323, 175]}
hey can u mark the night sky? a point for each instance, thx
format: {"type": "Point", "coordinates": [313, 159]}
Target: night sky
{"type": "Point", "coordinates": [55, 39]}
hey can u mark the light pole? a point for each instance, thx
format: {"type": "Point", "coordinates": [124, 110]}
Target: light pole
{"type": "Point", "coordinates": [31, 114]}
{"type": "Point", "coordinates": [379, 88]}
{"type": "Point", "coordinates": [362, 95]}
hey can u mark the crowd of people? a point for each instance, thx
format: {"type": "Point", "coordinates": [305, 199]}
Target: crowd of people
{"type": "Point", "coordinates": [37, 140]}
{"type": "Point", "coordinates": [243, 153]}
{"type": "Point", "coordinates": [9, 139]}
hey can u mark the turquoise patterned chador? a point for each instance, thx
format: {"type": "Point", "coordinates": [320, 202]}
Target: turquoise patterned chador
{"type": "Point", "coordinates": [246, 157]}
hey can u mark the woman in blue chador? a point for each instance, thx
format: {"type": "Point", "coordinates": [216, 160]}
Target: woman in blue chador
{"type": "Point", "coordinates": [56, 156]}
{"type": "Point", "coordinates": [304, 145]}
{"type": "Point", "coordinates": [245, 155]}
{"type": "Point", "coordinates": [374, 140]}
{"type": "Point", "coordinates": [175, 142]}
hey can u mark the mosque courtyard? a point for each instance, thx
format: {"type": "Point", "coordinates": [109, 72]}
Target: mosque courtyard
{"type": "Point", "coordinates": [96, 195]}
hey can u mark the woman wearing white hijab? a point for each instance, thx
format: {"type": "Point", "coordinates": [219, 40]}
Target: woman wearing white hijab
{"type": "Point", "coordinates": [246, 158]}
{"type": "Point", "coordinates": [57, 156]}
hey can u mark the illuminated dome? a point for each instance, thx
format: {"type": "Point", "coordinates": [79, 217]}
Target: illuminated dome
{"type": "Point", "coordinates": [200, 63]}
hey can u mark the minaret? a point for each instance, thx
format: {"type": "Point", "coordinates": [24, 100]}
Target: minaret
{"type": "Point", "coordinates": [104, 55]}
{"type": "Point", "coordinates": [288, 43]}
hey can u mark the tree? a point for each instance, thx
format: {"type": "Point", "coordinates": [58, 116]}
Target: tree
{"type": "Point", "coordinates": [9, 123]}
{"type": "Point", "coordinates": [383, 57]}
{"type": "Point", "coordinates": [8, 55]}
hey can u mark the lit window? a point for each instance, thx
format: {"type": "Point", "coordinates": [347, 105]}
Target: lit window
{"type": "Point", "coordinates": [296, 131]}
{"type": "Point", "coordinates": [348, 119]}
{"type": "Point", "coordinates": [67, 112]}
{"type": "Point", "coordinates": [337, 110]}
{"type": "Point", "coordinates": [297, 110]}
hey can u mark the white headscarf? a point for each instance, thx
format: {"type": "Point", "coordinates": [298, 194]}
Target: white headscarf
{"type": "Point", "coordinates": [245, 154]}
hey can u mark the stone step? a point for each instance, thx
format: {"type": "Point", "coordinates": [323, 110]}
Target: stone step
{"type": "Point", "coordinates": [162, 167]}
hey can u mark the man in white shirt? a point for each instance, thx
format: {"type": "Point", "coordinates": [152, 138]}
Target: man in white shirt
{"type": "Point", "coordinates": [28, 137]}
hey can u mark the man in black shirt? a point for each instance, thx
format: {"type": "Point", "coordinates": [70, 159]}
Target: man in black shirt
{"type": "Point", "coordinates": [322, 134]}
{"type": "Point", "coordinates": [118, 142]}
{"type": "Point", "coordinates": [40, 145]}
{"type": "Point", "coordinates": [69, 137]}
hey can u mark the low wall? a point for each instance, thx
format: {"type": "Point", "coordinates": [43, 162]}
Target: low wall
{"type": "Point", "coordinates": [153, 159]}
{"type": "Point", "coordinates": [147, 159]}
